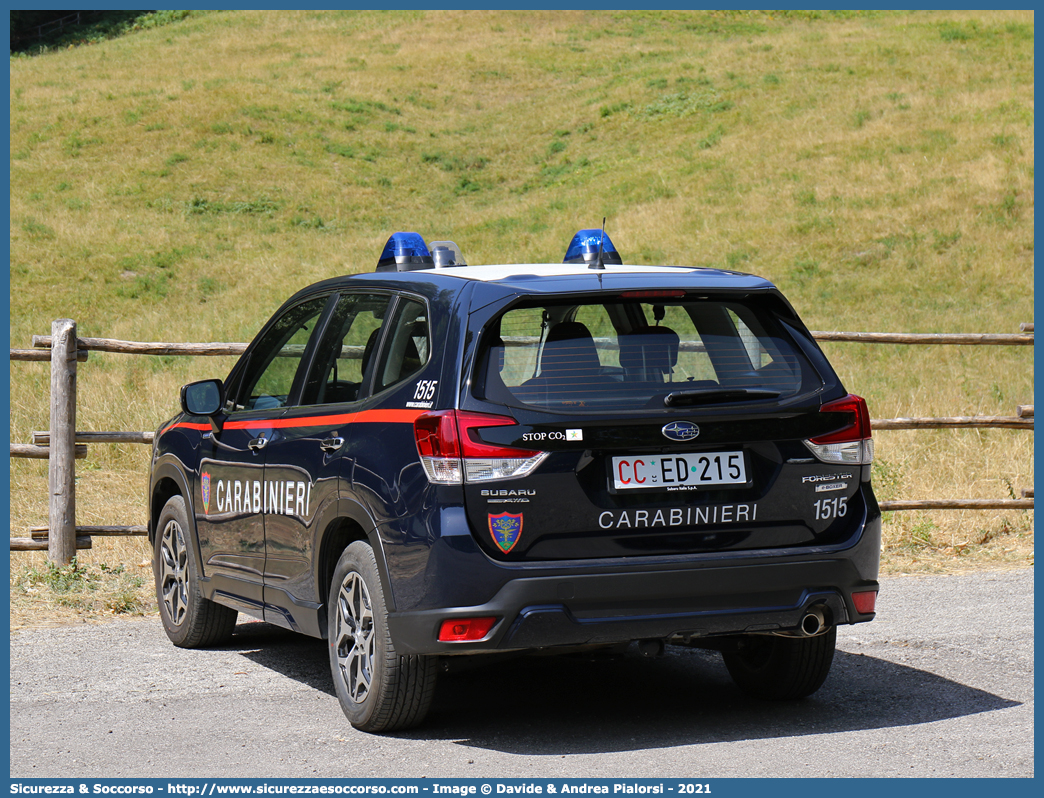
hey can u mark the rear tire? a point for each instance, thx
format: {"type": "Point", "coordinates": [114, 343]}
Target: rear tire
{"type": "Point", "coordinates": [379, 689]}
{"type": "Point", "coordinates": [189, 619]}
{"type": "Point", "coordinates": [781, 668]}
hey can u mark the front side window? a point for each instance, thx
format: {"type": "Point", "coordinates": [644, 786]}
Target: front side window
{"type": "Point", "coordinates": [631, 354]}
{"type": "Point", "coordinates": [269, 375]}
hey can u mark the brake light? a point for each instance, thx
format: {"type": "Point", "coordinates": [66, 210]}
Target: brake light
{"type": "Point", "coordinates": [852, 444]}
{"type": "Point", "coordinates": [452, 452]}
{"type": "Point", "coordinates": [437, 444]}
{"type": "Point", "coordinates": [461, 630]}
{"type": "Point", "coordinates": [865, 601]}
{"type": "Point", "coordinates": [652, 294]}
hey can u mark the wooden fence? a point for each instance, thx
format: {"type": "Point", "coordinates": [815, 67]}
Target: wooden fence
{"type": "Point", "coordinates": [62, 445]}
{"type": "Point", "coordinates": [53, 28]}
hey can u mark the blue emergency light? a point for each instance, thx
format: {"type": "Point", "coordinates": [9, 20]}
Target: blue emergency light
{"type": "Point", "coordinates": [405, 252]}
{"type": "Point", "coordinates": [584, 248]}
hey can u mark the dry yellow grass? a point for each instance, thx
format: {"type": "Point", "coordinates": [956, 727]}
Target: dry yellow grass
{"type": "Point", "coordinates": [179, 183]}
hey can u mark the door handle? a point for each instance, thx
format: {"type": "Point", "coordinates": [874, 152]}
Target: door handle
{"type": "Point", "coordinates": [331, 444]}
{"type": "Point", "coordinates": [258, 443]}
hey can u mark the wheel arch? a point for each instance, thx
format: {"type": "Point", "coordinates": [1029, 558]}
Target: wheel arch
{"type": "Point", "coordinates": [162, 491]}
{"type": "Point", "coordinates": [168, 479]}
{"type": "Point", "coordinates": [350, 522]}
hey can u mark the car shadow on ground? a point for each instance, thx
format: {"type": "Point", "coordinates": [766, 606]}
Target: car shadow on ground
{"type": "Point", "coordinates": [580, 704]}
{"type": "Point", "coordinates": [303, 659]}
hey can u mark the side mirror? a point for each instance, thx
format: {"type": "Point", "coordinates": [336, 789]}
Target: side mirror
{"type": "Point", "coordinates": [203, 398]}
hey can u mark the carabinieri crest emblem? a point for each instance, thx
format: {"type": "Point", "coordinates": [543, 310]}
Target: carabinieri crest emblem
{"type": "Point", "coordinates": [506, 530]}
{"type": "Point", "coordinates": [205, 490]}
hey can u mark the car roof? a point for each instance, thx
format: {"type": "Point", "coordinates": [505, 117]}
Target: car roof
{"type": "Point", "coordinates": [553, 277]}
{"type": "Point", "coordinates": [491, 281]}
{"type": "Point", "coordinates": [501, 272]}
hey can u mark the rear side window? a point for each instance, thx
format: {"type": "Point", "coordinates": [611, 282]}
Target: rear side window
{"type": "Point", "coordinates": [344, 354]}
{"type": "Point", "coordinates": [407, 347]}
{"type": "Point", "coordinates": [632, 354]}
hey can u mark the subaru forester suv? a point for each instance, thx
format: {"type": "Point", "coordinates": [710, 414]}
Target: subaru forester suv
{"type": "Point", "coordinates": [441, 460]}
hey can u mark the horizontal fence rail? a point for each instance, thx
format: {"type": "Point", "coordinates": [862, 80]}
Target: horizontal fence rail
{"type": "Point", "coordinates": [219, 349]}
{"type": "Point", "coordinates": [150, 347]}
{"type": "Point", "coordinates": [160, 348]}
{"type": "Point", "coordinates": [41, 531]}
{"type": "Point", "coordinates": [954, 422]}
{"type": "Point", "coordinates": [42, 452]}
{"type": "Point", "coordinates": [44, 438]}
{"type": "Point", "coordinates": [43, 544]}
{"type": "Point", "coordinates": [958, 504]}
{"type": "Point", "coordinates": [958, 339]}
{"type": "Point", "coordinates": [43, 354]}
{"type": "Point", "coordinates": [75, 442]}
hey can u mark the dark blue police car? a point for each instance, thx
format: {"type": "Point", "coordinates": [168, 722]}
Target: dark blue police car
{"type": "Point", "coordinates": [438, 460]}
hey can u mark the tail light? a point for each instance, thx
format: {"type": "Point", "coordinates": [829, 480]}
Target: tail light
{"type": "Point", "coordinates": [852, 443]}
{"type": "Point", "coordinates": [452, 453]}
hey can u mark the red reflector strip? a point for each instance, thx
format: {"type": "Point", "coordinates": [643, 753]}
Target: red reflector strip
{"type": "Point", "coordinates": [865, 601]}
{"type": "Point", "coordinates": [460, 630]}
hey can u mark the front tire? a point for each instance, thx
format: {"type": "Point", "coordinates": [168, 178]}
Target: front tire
{"type": "Point", "coordinates": [781, 668]}
{"type": "Point", "coordinates": [379, 689]}
{"type": "Point", "coordinates": [189, 619]}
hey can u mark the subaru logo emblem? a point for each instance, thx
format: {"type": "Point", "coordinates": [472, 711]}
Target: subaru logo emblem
{"type": "Point", "coordinates": [680, 430]}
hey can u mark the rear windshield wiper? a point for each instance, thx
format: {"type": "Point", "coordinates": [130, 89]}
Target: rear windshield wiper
{"type": "Point", "coordinates": [706, 396]}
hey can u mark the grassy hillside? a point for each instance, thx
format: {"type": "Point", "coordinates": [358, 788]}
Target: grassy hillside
{"type": "Point", "coordinates": [179, 182]}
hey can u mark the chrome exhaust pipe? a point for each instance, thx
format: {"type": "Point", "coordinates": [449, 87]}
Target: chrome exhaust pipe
{"type": "Point", "coordinates": [814, 622]}
{"type": "Point", "coordinates": [651, 648]}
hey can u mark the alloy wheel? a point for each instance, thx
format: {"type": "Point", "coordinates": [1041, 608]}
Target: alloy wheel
{"type": "Point", "coordinates": [355, 637]}
{"type": "Point", "coordinates": [174, 572]}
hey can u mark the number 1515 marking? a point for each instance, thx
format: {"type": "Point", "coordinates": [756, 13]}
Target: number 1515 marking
{"type": "Point", "coordinates": [425, 389]}
{"type": "Point", "coordinates": [835, 507]}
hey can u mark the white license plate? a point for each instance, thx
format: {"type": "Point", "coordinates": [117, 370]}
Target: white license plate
{"type": "Point", "coordinates": [668, 470]}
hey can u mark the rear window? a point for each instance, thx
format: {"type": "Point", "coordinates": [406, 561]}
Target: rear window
{"type": "Point", "coordinates": [633, 354]}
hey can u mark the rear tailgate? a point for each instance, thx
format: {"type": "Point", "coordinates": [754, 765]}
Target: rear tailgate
{"type": "Point", "coordinates": [674, 422]}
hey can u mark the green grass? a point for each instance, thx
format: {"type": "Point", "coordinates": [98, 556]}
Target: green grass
{"type": "Point", "coordinates": [180, 181]}
{"type": "Point", "coordinates": [87, 589]}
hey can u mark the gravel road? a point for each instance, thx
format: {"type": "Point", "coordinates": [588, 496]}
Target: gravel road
{"type": "Point", "coordinates": [940, 684]}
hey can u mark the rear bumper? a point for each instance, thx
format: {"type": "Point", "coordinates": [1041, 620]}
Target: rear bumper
{"type": "Point", "coordinates": [762, 592]}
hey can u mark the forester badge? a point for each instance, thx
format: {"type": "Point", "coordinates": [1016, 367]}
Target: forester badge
{"type": "Point", "coordinates": [506, 529]}
{"type": "Point", "coordinates": [205, 490]}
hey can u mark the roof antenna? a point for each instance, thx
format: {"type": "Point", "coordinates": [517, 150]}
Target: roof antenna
{"type": "Point", "coordinates": [597, 263]}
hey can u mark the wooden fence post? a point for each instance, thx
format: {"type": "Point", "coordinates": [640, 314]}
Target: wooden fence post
{"type": "Point", "coordinates": [61, 468]}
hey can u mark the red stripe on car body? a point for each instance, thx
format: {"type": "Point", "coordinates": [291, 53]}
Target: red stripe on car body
{"type": "Point", "coordinates": [185, 425]}
{"type": "Point", "coordinates": [362, 417]}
